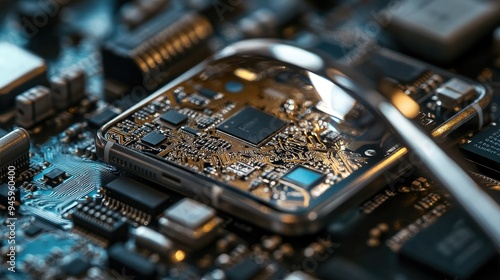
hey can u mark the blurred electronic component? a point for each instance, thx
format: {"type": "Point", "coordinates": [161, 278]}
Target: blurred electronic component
{"type": "Point", "coordinates": [496, 41]}
{"type": "Point", "coordinates": [210, 94]}
{"type": "Point", "coordinates": [33, 230]}
{"type": "Point", "coordinates": [19, 71]}
{"type": "Point", "coordinates": [299, 275]}
{"type": "Point", "coordinates": [76, 267]}
{"type": "Point", "coordinates": [453, 245]}
{"type": "Point", "coordinates": [152, 240]}
{"type": "Point", "coordinates": [267, 20]}
{"type": "Point", "coordinates": [385, 64]}
{"type": "Point", "coordinates": [126, 262]}
{"type": "Point", "coordinates": [37, 17]}
{"type": "Point", "coordinates": [68, 89]}
{"type": "Point", "coordinates": [191, 223]}
{"type": "Point", "coordinates": [73, 132]}
{"type": "Point", "coordinates": [100, 222]}
{"type": "Point", "coordinates": [137, 12]}
{"type": "Point", "coordinates": [484, 148]}
{"type": "Point", "coordinates": [101, 118]}
{"type": "Point", "coordinates": [454, 92]}
{"type": "Point", "coordinates": [247, 269]}
{"type": "Point", "coordinates": [148, 55]}
{"type": "Point", "coordinates": [33, 106]}
{"type": "Point", "coordinates": [340, 268]}
{"type": "Point", "coordinates": [126, 194]}
{"type": "Point", "coordinates": [219, 11]}
{"type": "Point", "coordinates": [443, 29]}
{"type": "Point", "coordinates": [5, 194]}
{"type": "Point", "coordinates": [14, 151]}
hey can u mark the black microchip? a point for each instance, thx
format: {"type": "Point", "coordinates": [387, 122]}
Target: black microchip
{"type": "Point", "coordinates": [153, 138]}
{"type": "Point", "coordinates": [137, 195]}
{"type": "Point", "coordinates": [130, 264]}
{"type": "Point", "coordinates": [208, 93]}
{"type": "Point", "coordinates": [101, 118]}
{"type": "Point", "coordinates": [453, 245]}
{"type": "Point", "coordinates": [173, 117]}
{"type": "Point", "coordinates": [4, 195]}
{"type": "Point", "coordinates": [100, 221]}
{"type": "Point", "coordinates": [75, 267]}
{"type": "Point", "coordinates": [251, 125]}
{"type": "Point", "coordinates": [381, 65]}
{"type": "Point", "coordinates": [190, 130]}
{"type": "Point", "coordinates": [55, 176]}
{"type": "Point", "coordinates": [33, 230]}
{"type": "Point", "coordinates": [484, 148]}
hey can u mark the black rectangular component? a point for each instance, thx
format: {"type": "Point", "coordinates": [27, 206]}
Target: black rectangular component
{"type": "Point", "coordinates": [484, 148]}
{"type": "Point", "coordinates": [55, 176]}
{"type": "Point", "coordinates": [251, 125]}
{"type": "Point", "coordinates": [247, 269]}
{"type": "Point", "coordinates": [130, 264]}
{"type": "Point", "coordinates": [101, 118]}
{"type": "Point", "coordinates": [97, 220]}
{"type": "Point", "coordinates": [173, 117]}
{"type": "Point", "coordinates": [190, 130]}
{"type": "Point", "coordinates": [380, 65]}
{"type": "Point", "coordinates": [33, 229]}
{"type": "Point", "coordinates": [137, 195]}
{"type": "Point", "coordinates": [4, 195]}
{"type": "Point", "coordinates": [76, 267]}
{"type": "Point", "coordinates": [153, 138]}
{"type": "Point", "coordinates": [124, 54]}
{"type": "Point", "coordinates": [208, 93]}
{"type": "Point", "coordinates": [452, 245]}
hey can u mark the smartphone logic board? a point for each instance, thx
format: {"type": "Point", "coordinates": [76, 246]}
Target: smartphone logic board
{"type": "Point", "coordinates": [269, 141]}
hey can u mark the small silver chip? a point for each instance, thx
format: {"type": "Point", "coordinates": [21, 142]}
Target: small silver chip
{"type": "Point", "coordinates": [191, 223]}
{"type": "Point", "coordinates": [454, 92]}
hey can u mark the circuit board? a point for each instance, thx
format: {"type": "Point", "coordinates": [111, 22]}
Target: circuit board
{"type": "Point", "coordinates": [224, 136]}
{"type": "Point", "coordinates": [67, 68]}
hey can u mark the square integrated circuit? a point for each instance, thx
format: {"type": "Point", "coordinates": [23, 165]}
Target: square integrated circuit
{"type": "Point", "coordinates": [173, 117]}
{"type": "Point", "coordinates": [153, 138]}
{"type": "Point", "coordinates": [303, 177]}
{"type": "Point", "coordinates": [252, 125]}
